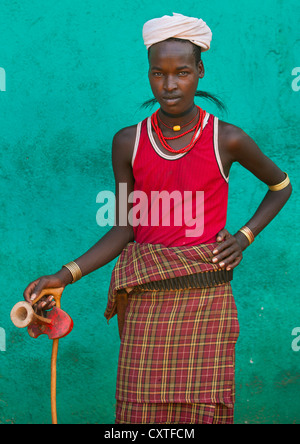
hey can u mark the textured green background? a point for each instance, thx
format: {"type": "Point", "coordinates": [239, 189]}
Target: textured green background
{"type": "Point", "coordinates": [76, 74]}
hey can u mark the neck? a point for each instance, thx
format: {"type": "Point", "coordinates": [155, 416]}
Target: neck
{"type": "Point", "coordinates": [178, 116]}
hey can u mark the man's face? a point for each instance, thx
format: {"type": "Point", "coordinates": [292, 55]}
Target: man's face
{"type": "Point", "coordinates": [173, 75]}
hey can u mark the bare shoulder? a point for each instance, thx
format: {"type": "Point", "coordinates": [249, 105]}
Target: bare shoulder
{"type": "Point", "coordinates": [123, 147]}
{"type": "Point", "coordinates": [232, 137]}
{"type": "Point", "coordinates": [237, 146]}
{"type": "Point", "coordinates": [125, 138]}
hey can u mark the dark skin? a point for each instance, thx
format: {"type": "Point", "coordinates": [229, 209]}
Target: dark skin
{"type": "Point", "coordinates": [174, 78]}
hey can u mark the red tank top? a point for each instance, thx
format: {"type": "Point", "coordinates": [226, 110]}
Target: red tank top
{"type": "Point", "coordinates": [178, 199]}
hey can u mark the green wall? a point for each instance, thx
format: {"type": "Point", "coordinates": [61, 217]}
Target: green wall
{"type": "Point", "coordinates": [76, 72]}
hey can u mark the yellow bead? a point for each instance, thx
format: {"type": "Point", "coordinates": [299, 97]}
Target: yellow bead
{"type": "Point", "coordinates": [176, 128]}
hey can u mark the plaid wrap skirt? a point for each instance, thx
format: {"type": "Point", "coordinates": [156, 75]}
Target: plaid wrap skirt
{"type": "Point", "coordinates": [132, 413]}
{"type": "Point", "coordinates": [176, 362]}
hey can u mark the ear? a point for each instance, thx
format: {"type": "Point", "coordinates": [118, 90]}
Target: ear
{"type": "Point", "coordinates": [201, 70]}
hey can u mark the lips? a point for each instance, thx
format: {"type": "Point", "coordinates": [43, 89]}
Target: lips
{"type": "Point", "coordinates": [171, 100]}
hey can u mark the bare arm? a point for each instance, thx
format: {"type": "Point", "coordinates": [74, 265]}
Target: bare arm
{"type": "Point", "coordinates": [114, 241]}
{"type": "Point", "coordinates": [112, 244]}
{"type": "Point", "coordinates": [237, 146]}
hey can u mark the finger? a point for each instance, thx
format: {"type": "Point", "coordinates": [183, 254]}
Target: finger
{"type": "Point", "coordinates": [229, 261]}
{"type": "Point", "coordinates": [49, 303]}
{"type": "Point", "coordinates": [41, 310]}
{"type": "Point", "coordinates": [226, 255]}
{"type": "Point", "coordinates": [222, 235]}
{"type": "Point", "coordinates": [224, 245]}
{"type": "Point", "coordinates": [40, 306]}
{"type": "Point", "coordinates": [52, 305]}
{"type": "Point", "coordinates": [46, 303]}
{"type": "Point", "coordinates": [234, 264]}
{"type": "Point", "coordinates": [29, 290]}
{"type": "Point", "coordinates": [222, 254]}
{"type": "Point", "coordinates": [42, 284]}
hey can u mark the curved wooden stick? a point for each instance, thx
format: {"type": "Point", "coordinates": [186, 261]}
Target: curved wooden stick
{"type": "Point", "coordinates": [53, 380]}
{"type": "Point", "coordinates": [56, 293]}
{"type": "Point", "coordinates": [23, 315]}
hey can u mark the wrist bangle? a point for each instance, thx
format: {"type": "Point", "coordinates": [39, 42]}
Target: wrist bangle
{"type": "Point", "coordinates": [281, 185]}
{"type": "Point", "coordinates": [248, 233]}
{"type": "Point", "coordinates": [75, 271]}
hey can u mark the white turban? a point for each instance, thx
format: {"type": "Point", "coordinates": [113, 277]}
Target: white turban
{"type": "Point", "coordinates": [177, 26]}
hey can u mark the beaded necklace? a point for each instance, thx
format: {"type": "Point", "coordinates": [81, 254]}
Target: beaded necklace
{"type": "Point", "coordinates": [163, 139]}
{"type": "Point", "coordinates": [176, 127]}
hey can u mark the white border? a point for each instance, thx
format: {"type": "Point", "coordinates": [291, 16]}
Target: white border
{"type": "Point", "coordinates": [137, 142]}
{"type": "Point", "coordinates": [157, 149]}
{"type": "Point", "coordinates": [216, 148]}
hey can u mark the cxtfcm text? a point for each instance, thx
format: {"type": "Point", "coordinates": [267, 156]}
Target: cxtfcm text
{"type": "Point", "coordinates": [151, 433]}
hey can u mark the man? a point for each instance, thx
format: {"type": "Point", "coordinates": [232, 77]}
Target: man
{"type": "Point", "coordinates": [171, 285]}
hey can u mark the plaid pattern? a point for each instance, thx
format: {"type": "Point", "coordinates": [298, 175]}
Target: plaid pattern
{"type": "Point", "coordinates": [142, 263]}
{"type": "Point", "coordinates": [130, 413]}
{"type": "Point", "coordinates": [177, 345]}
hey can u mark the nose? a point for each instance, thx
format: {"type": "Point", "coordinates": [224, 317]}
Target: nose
{"type": "Point", "coordinates": [170, 83]}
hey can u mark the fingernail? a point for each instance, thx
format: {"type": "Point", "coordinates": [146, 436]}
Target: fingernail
{"type": "Point", "coordinates": [33, 297]}
{"type": "Point", "coordinates": [215, 259]}
{"type": "Point", "coordinates": [222, 264]}
{"type": "Point", "coordinates": [228, 268]}
{"type": "Point", "coordinates": [215, 252]}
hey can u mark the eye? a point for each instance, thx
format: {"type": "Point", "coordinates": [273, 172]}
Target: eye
{"type": "Point", "coordinates": [183, 73]}
{"type": "Point", "coordinates": [157, 74]}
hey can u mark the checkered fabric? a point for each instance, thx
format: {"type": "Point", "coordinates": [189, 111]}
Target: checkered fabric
{"type": "Point", "coordinates": [130, 413]}
{"type": "Point", "coordinates": [178, 345]}
{"type": "Point", "coordinates": [142, 263]}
